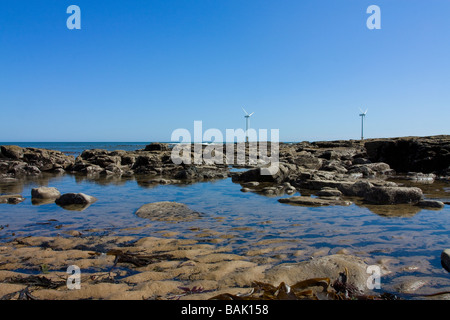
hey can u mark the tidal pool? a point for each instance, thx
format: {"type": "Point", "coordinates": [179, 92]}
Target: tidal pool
{"type": "Point", "coordinates": [405, 240]}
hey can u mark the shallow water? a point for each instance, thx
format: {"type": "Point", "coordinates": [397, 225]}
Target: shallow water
{"type": "Point", "coordinates": [410, 239]}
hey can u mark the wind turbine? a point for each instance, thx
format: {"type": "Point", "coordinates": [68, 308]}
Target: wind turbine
{"type": "Point", "coordinates": [362, 115]}
{"type": "Point", "coordinates": [247, 116]}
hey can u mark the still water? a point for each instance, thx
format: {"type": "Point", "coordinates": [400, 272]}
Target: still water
{"type": "Point", "coordinates": [410, 239]}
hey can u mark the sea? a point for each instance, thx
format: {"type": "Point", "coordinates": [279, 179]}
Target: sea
{"type": "Point", "coordinates": [407, 240]}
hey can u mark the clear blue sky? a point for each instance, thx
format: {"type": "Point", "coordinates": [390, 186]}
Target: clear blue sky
{"type": "Point", "coordinates": [137, 70]}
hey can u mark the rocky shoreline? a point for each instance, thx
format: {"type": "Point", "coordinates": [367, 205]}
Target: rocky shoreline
{"type": "Point", "coordinates": [328, 173]}
{"type": "Point", "coordinates": [329, 170]}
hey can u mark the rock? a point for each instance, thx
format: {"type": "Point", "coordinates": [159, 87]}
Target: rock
{"type": "Point", "coordinates": [333, 165]}
{"type": "Point", "coordinates": [410, 285]}
{"type": "Point", "coordinates": [307, 160]}
{"type": "Point", "coordinates": [329, 192]}
{"type": "Point", "coordinates": [348, 188]}
{"type": "Point", "coordinates": [156, 146]}
{"type": "Point", "coordinates": [45, 193]}
{"type": "Point", "coordinates": [357, 189]}
{"type": "Point", "coordinates": [257, 175]}
{"type": "Point", "coordinates": [314, 184]}
{"type": "Point", "coordinates": [421, 177]}
{"type": "Point", "coordinates": [445, 259]}
{"type": "Point", "coordinates": [393, 195]}
{"type": "Point", "coordinates": [311, 202]}
{"type": "Point", "coordinates": [411, 154]}
{"type": "Point", "coordinates": [431, 204]}
{"type": "Point", "coordinates": [20, 168]}
{"type": "Point", "coordinates": [361, 161]}
{"type": "Point", "coordinates": [47, 160]}
{"type": "Point", "coordinates": [362, 169]}
{"type": "Point", "coordinates": [167, 211]}
{"type": "Point", "coordinates": [324, 267]}
{"type": "Point", "coordinates": [75, 199]}
{"type": "Point", "coordinates": [11, 199]}
{"type": "Point", "coordinates": [12, 152]}
{"type": "Point", "coordinates": [250, 184]}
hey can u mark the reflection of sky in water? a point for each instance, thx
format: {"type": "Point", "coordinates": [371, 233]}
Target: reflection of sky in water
{"type": "Point", "coordinates": [242, 221]}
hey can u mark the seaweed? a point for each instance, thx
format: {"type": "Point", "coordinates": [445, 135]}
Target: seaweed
{"type": "Point", "coordinates": [189, 291]}
{"type": "Point", "coordinates": [38, 281]}
{"type": "Point", "coordinates": [341, 289]}
{"type": "Point", "coordinates": [23, 294]}
{"type": "Point", "coordinates": [136, 259]}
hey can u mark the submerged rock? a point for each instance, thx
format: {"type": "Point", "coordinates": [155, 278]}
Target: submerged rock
{"type": "Point", "coordinates": [167, 211]}
{"type": "Point", "coordinates": [324, 267]}
{"type": "Point", "coordinates": [308, 201]}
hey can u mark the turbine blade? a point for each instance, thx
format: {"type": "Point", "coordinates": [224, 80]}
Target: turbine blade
{"type": "Point", "coordinates": [251, 114]}
{"type": "Point", "coordinates": [361, 110]}
{"type": "Point", "coordinates": [245, 111]}
{"type": "Point", "coordinates": [366, 111]}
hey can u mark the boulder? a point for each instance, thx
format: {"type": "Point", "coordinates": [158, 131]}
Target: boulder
{"type": "Point", "coordinates": [167, 211]}
{"type": "Point", "coordinates": [431, 204]}
{"type": "Point", "coordinates": [393, 195]}
{"type": "Point", "coordinates": [45, 193]}
{"type": "Point", "coordinates": [75, 199]}
{"type": "Point", "coordinates": [356, 189]}
{"type": "Point", "coordinates": [445, 259]}
{"type": "Point", "coordinates": [12, 152]}
{"type": "Point", "coordinates": [411, 154]}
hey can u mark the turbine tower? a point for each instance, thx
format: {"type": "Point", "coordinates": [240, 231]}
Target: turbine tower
{"type": "Point", "coordinates": [247, 120]}
{"type": "Point", "coordinates": [362, 115]}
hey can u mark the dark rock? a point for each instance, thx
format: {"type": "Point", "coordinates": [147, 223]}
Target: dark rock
{"type": "Point", "coordinates": [411, 154]}
{"type": "Point", "coordinates": [75, 198]}
{"type": "Point", "coordinates": [445, 259]}
{"type": "Point", "coordinates": [156, 146]}
{"type": "Point", "coordinates": [12, 152]}
{"type": "Point", "coordinates": [432, 204]}
{"type": "Point", "coordinates": [18, 169]}
{"type": "Point", "coordinates": [361, 161]}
